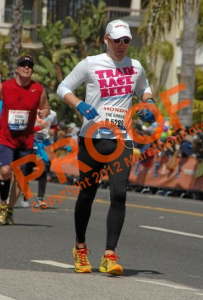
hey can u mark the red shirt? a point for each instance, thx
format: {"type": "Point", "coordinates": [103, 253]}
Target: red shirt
{"type": "Point", "coordinates": [19, 112]}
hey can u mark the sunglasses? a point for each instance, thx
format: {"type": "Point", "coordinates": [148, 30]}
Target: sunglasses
{"type": "Point", "coordinates": [125, 41]}
{"type": "Point", "coordinates": [26, 64]}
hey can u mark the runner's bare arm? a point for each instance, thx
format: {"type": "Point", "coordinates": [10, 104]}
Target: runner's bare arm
{"type": "Point", "coordinates": [44, 107]}
{"type": "Point", "coordinates": [71, 99]}
{"type": "Point", "coordinates": [146, 96]}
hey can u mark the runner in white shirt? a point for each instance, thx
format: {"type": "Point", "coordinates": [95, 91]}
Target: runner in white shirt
{"type": "Point", "coordinates": [111, 79]}
{"type": "Point", "coordinates": [52, 121]}
{"type": "Point", "coordinates": [41, 140]}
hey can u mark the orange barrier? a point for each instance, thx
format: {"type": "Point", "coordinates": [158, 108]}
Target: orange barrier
{"type": "Point", "coordinates": [158, 175]}
{"type": "Point", "coordinates": [154, 173]}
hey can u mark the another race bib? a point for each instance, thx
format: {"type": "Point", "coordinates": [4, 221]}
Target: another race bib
{"type": "Point", "coordinates": [41, 135]}
{"type": "Point", "coordinates": [18, 119]}
{"type": "Point", "coordinates": [115, 115]}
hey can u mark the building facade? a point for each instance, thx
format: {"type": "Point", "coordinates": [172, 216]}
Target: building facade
{"type": "Point", "coordinates": [39, 11]}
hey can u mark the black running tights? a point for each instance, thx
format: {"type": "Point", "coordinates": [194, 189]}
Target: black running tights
{"type": "Point", "coordinates": [118, 172]}
{"type": "Point", "coordinates": [42, 181]}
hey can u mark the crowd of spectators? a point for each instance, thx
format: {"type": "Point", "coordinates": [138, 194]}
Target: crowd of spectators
{"type": "Point", "coordinates": [187, 142]}
{"type": "Point", "coordinates": [187, 145]}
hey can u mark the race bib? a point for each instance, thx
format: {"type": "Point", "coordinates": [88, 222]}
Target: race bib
{"type": "Point", "coordinates": [18, 119]}
{"type": "Point", "coordinates": [115, 115]}
{"type": "Point", "coordinates": [41, 135]}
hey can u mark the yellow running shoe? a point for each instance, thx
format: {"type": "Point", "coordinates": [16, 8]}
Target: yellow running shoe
{"type": "Point", "coordinates": [109, 265]}
{"type": "Point", "coordinates": [82, 264]}
{"type": "Point", "coordinates": [9, 219]}
{"type": "Point", "coordinates": [3, 214]}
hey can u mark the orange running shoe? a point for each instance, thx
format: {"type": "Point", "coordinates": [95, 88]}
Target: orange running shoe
{"type": "Point", "coordinates": [3, 214]}
{"type": "Point", "coordinates": [109, 265]}
{"type": "Point", "coordinates": [82, 264]}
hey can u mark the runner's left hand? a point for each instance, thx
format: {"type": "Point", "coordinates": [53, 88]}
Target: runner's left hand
{"type": "Point", "coordinates": [147, 114]}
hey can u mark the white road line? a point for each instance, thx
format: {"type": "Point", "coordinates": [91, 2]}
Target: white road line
{"type": "Point", "coordinates": [6, 298]}
{"type": "Point", "coordinates": [173, 231]}
{"type": "Point", "coordinates": [199, 294]}
{"type": "Point", "coordinates": [53, 263]}
{"type": "Point", "coordinates": [174, 286]}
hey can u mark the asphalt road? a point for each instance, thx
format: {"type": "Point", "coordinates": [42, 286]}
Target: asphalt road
{"type": "Point", "coordinates": [161, 250]}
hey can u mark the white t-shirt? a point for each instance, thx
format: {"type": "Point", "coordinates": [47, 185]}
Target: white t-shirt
{"type": "Point", "coordinates": [44, 133]}
{"type": "Point", "coordinates": [110, 86]}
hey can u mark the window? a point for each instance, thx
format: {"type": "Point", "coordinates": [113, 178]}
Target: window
{"type": "Point", "coordinates": [27, 11]}
{"type": "Point", "coordinates": [60, 9]}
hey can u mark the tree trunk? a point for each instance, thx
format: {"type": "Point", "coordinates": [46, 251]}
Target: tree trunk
{"type": "Point", "coordinates": [16, 32]}
{"type": "Point", "coordinates": [187, 75]}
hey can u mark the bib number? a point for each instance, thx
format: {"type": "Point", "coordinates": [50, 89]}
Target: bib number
{"type": "Point", "coordinates": [18, 119]}
{"type": "Point", "coordinates": [41, 136]}
{"type": "Point", "coordinates": [114, 115]}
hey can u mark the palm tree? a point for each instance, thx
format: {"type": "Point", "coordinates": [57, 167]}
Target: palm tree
{"type": "Point", "coordinates": [187, 74]}
{"type": "Point", "coordinates": [16, 31]}
{"type": "Point", "coordinates": [162, 14]}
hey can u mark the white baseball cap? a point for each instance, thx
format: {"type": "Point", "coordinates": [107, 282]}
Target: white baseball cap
{"type": "Point", "coordinates": [117, 29]}
{"type": "Point", "coordinates": [71, 125]}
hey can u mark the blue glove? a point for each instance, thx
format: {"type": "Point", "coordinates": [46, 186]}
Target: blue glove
{"type": "Point", "coordinates": [146, 115]}
{"type": "Point", "coordinates": [88, 111]}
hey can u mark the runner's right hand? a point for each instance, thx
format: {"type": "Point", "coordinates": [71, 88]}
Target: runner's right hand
{"type": "Point", "coordinates": [44, 125]}
{"type": "Point", "coordinates": [87, 110]}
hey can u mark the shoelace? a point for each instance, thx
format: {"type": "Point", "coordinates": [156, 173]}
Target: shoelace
{"type": "Point", "coordinates": [83, 256]}
{"type": "Point", "coordinates": [112, 257]}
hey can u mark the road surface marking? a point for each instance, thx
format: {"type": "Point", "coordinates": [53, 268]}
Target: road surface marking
{"type": "Point", "coordinates": [154, 208]}
{"type": "Point", "coordinates": [54, 263]}
{"type": "Point", "coordinates": [2, 297]}
{"type": "Point", "coordinates": [173, 231]}
{"type": "Point", "coordinates": [174, 286]}
{"type": "Point", "coordinates": [168, 210]}
{"type": "Point", "coordinates": [199, 294]}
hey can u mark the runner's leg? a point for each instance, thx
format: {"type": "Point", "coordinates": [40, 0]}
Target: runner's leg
{"type": "Point", "coordinates": [88, 184]}
{"type": "Point", "coordinates": [6, 157]}
{"type": "Point", "coordinates": [118, 189]}
{"type": "Point", "coordinates": [42, 181]}
{"type": "Point", "coordinates": [26, 169]}
{"type": "Point", "coordinates": [118, 177]}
